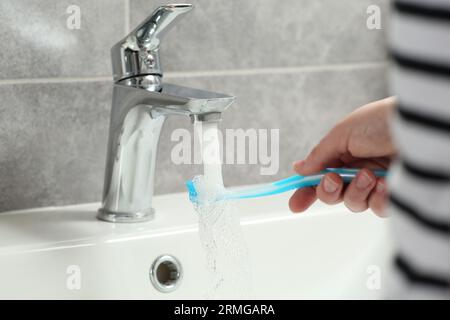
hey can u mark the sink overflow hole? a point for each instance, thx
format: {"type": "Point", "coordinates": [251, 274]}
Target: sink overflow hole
{"type": "Point", "coordinates": [165, 273]}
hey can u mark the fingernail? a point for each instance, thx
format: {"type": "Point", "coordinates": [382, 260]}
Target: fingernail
{"type": "Point", "coordinates": [329, 185]}
{"type": "Point", "coordinates": [380, 187]}
{"type": "Point", "coordinates": [298, 164]}
{"type": "Point", "coordinates": [363, 180]}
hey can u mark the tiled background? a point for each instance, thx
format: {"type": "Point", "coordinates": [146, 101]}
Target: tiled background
{"type": "Point", "coordinates": [297, 65]}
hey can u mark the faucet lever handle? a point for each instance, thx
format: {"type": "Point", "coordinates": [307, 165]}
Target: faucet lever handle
{"type": "Point", "coordinates": [137, 54]}
{"type": "Point", "coordinates": [150, 32]}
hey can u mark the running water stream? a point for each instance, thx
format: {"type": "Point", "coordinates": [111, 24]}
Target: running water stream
{"type": "Point", "coordinates": [219, 227]}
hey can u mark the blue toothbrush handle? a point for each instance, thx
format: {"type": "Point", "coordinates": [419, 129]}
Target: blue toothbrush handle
{"type": "Point", "coordinates": [297, 181]}
{"type": "Point", "coordinates": [346, 173]}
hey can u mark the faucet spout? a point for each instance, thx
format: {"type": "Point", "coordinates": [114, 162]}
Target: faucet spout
{"type": "Point", "coordinates": [137, 118]}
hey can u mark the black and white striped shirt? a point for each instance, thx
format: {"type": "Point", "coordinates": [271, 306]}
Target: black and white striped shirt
{"type": "Point", "coordinates": [420, 179]}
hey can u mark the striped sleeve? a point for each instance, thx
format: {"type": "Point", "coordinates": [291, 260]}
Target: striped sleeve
{"type": "Point", "coordinates": [420, 179]}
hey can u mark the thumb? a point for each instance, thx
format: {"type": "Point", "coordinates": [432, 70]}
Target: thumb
{"type": "Point", "coordinates": [326, 154]}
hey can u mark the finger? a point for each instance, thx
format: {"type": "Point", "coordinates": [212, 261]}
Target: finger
{"type": "Point", "coordinates": [378, 198]}
{"type": "Point", "coordinates": [302, 199]}
{"type": "Point", "coordinates": [327, 153]}
{"type": "Point", "coordinates": [330, 189]}
{"type": "Point", "coordinates": [299, 166]}
{"type": "Point", "coordinates": [356, 194]}
{"type": "Point", "coordinates": [372, 163]}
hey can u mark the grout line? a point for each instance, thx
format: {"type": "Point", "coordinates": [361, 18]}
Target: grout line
{"type": "Point", "coordinates": [283, 70]}
{"type": "Point", "coordinates": [53, 80]}
{"type": "Point", "coordinates": [213, 73]}
{"type": "Point", "coordinates": [127, 16]}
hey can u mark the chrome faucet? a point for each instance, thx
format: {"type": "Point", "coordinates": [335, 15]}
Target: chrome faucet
{"type": "Point", "coordinates": [141, 102]}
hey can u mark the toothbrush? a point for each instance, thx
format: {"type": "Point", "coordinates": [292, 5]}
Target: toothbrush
{"type": "Point", "coordinates": [291, 183]}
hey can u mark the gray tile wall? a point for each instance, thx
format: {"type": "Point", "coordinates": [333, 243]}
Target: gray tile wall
{"type": "Point", "coordinates": [296, 65]}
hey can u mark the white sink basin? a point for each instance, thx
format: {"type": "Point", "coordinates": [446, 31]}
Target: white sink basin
{"type": "Point", "coordinates": [327, 252]}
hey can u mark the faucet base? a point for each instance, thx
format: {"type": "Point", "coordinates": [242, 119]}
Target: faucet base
{"type": "Point", "coordinates": [126, 217]}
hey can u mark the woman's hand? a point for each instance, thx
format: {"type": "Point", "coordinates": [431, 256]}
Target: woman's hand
{"type": "Point", "coordinates": [362, 140]}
